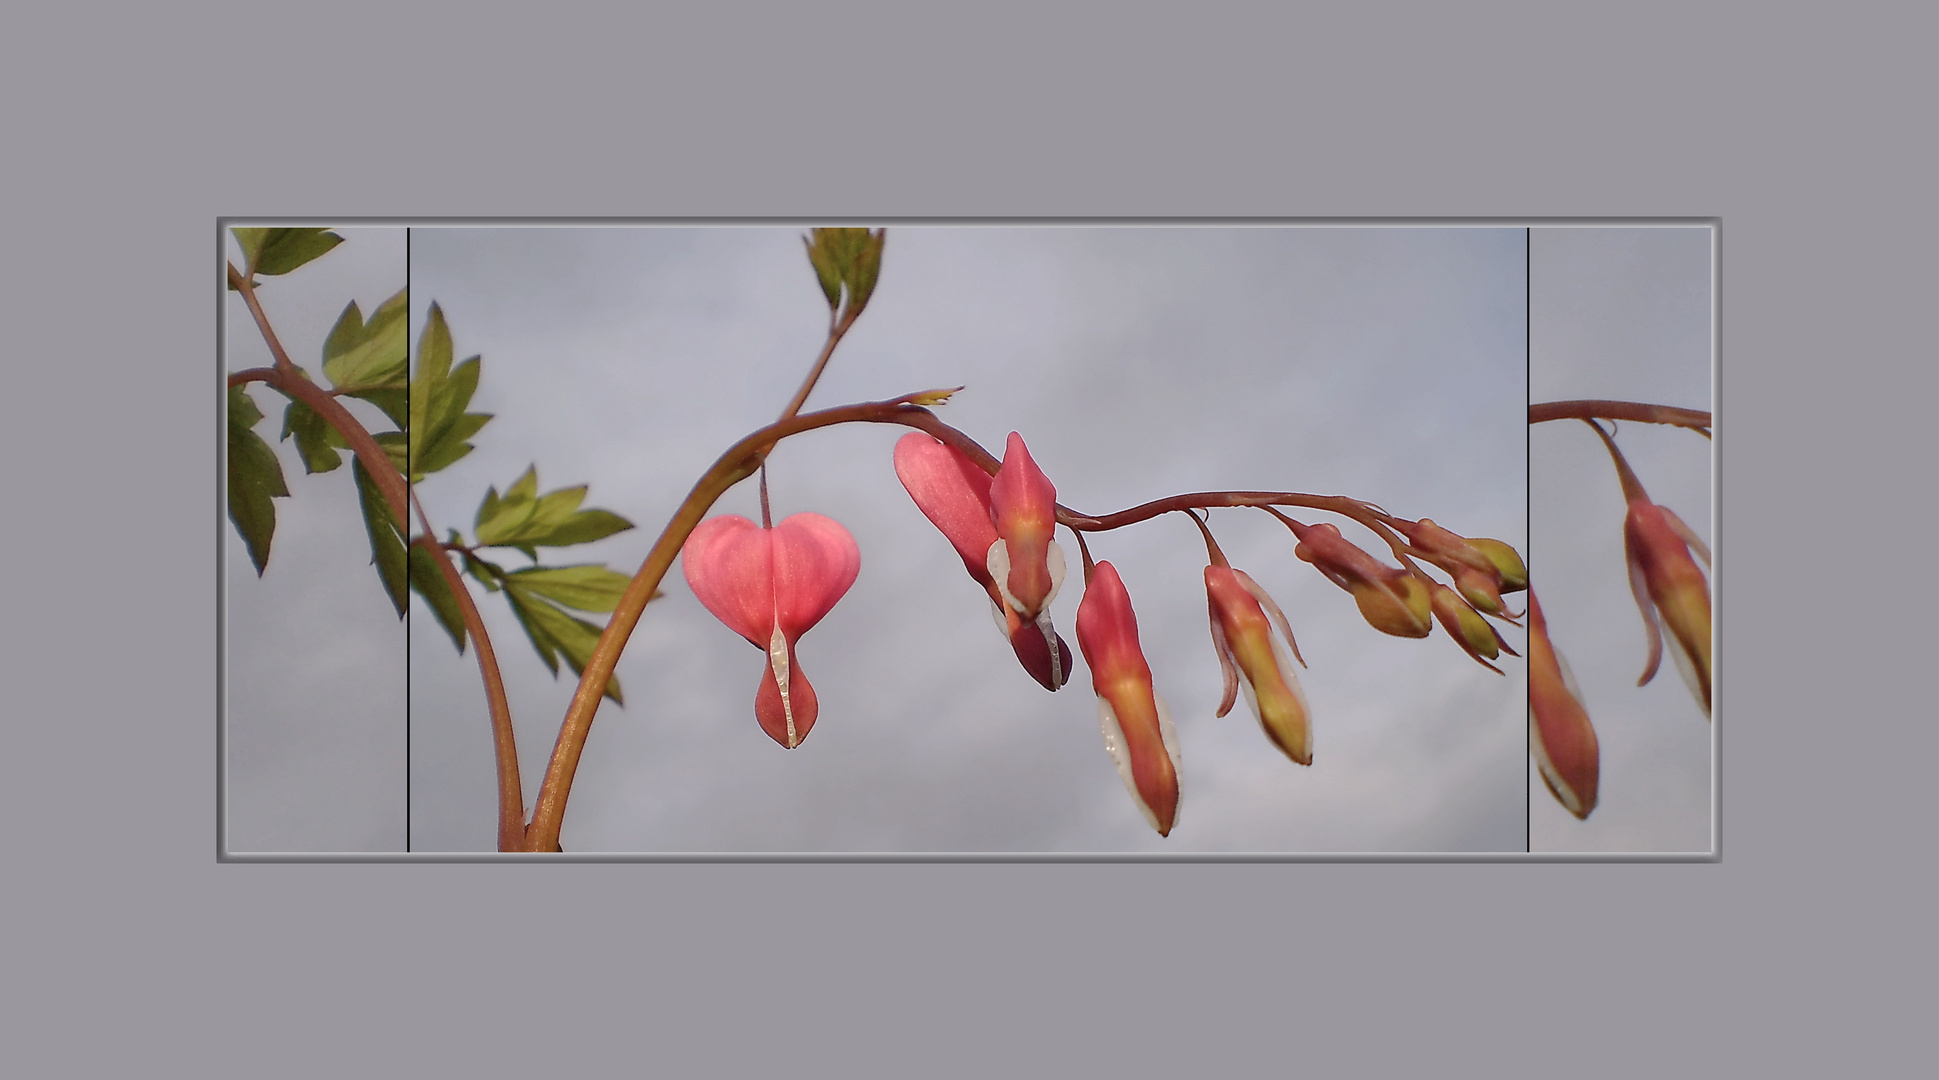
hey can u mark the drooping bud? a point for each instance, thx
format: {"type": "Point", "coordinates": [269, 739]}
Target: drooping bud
{"type": "Point", "coordinates": [1469, 630]}
{"type": "Point", "coordinates": [771, 586]}
{"type": "Point", "coordinates": [1027, 566]}
{"type": "Point", "coordinates": [1252, 658]}
{"type": "Point", "coordinates": [1665, 579]}
{"type": "Point", "coordinates": [1392, 600]}
{"type": "Point", "coordinates": [1138, 730]}
{"type": "Point", "coordinates": [1559, 733]}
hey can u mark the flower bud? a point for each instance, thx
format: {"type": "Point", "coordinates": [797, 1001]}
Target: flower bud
{"type": "Point", "coordinates": [1469, 630]}
{"type": "Point", "coordinates": [1252, 658]}
{"type": "Point", "coordinates": [1665, 579]}
{"type": "Point", "coordinates": [1138, 730]}
{"type": "Point", "coordinates": [1559, 733]}
{"type": "Point", "coordinates": [1027, 566]}
{"type": "Point", "coordinates": [1508, 565]}
{"type": "Point", "coordinates": [1392, 600]}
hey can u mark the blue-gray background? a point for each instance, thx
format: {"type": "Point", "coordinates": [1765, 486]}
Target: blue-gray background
{"type": "Point", "coordinates": [1137, 362]}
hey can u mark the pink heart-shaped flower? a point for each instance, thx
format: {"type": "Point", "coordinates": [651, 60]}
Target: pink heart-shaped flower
{"type": "Point", "coordinates": [771, 586]}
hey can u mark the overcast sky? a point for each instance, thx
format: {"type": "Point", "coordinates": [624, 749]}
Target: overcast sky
{"type": "Point", "coordinates": [1620, 313]}
{"type": "Point", "coordinates": [1386, 364]}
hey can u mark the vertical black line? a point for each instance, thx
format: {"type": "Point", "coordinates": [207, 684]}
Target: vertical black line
{"type": "Point", "coordinates": [1528, 496]}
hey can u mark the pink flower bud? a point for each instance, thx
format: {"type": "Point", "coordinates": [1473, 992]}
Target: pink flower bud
{"type": "Point", "coordinates": [1664, 578]}
{"type": "Point", "coordinates": [1559, 734]}
{"type": "Point", "coordinates": [1137, 726]}
{"type": "Point", "coordinates": [1252, 657]}
{"type": "Point", "coordinates": [770, 586]}
{"type": "Point", "coordinates": [1028, 567]}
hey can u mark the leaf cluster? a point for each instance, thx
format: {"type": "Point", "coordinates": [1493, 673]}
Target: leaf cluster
{"type": "Point", "coordinates": [847, 262]}
{"type": "Point", "coordinates": [369, 359]}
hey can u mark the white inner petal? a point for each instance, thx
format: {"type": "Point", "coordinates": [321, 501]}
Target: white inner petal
{"type": "Point", "coordinates": [1107, 718]}
{"type": "Point", "coordinates": [778, 660]}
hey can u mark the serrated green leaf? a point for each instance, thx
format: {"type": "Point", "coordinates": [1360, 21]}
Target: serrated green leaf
{"type": "Point", "coordinates": [433, 365]}
{"type": "Point", "coordinates": [583, 528]}
{"type": "Point", "coordinates": [316, 440]}
{"type": "Point", "coordinates": [525, 487]}
{"type": "Point", "coordinates": [362, 355]}
{"type": "Point", "coordinates": [386, 546]}
{"type": "Point", "coordinates": [450, 446]}
{"type": "Point", "coordinates": [522, 520]}
{"type": "Point", "coordinates": [429, 583]}
{"type": "Point", "coordinates": [278, 251]}
{"type": "Point", "coordinates": [587, 587]}
{"type": "Point", "coordinates": [255, 477]}
{"type": "Point", "coordinates": [553, 632]}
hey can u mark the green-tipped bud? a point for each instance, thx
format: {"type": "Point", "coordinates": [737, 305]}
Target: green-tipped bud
{"type": "Point", "coordinates": [1514, 574]}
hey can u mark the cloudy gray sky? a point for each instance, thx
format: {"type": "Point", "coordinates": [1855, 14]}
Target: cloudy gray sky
{"type": "Point", "coordinates": [1620, 313]}
{"type": "Point", "coordinates": [1387, 364]}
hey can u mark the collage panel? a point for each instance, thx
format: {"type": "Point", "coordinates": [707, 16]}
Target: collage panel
{"type": "Point", "coordinates": [1622, 522]}
{"type": "Point", "coordinates": [313, 731]}
{"type": "Point", "coordinates": [1382, 368]}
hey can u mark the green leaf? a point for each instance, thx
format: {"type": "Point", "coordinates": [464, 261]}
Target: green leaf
{"type": "Point", "coordinates": [361, 355]}
{"type": "Point", "coordinates": [439, 424]}
{"type": "Point", "coordinates": [316, 440]}
{"type": "Point", "coordinates": [826, 272]}
{"type": "Point", "coordinates": [386, 545]}
{"type": "Point", "coordinates": [255, 477]}
{"type": "Point", "coordinates": [278, 251]}
{"type": "Point", "coordinates": [451, 446]}
{"type": "Point", "coordinates": [588, 587]}
{"type": "Point", "coordinates": [553, 632]}
{"type": "Point", "coordinates": [396, 403]}
{"type": "Point", "coordinates": [433, 365]}
{"type": "Point", "coordinates": [868, 266]}
{"type": "Point", "coordinates": [396, 446]}
{"type": "Point", "coordinates": [251, 242]}
{"type": "Point", "coordinates": [429, 583]}
{"type": "Point", "coordinates": [847, 259]}
{"type": "Point", "coordinates": [584, 527]}
{"type": "Point", "coordinates": [521, 519]}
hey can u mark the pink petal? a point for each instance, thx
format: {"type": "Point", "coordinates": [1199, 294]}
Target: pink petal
{"type": "Point", "coordinates": [952, 493]}
{"type": "Point", "coordinates": [729, 564]}
{"type": "Point", "coordinates": [815, 562]}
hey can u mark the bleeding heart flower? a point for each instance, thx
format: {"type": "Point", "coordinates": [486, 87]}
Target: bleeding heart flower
{"type": "Point", "coordinates": [1559, 733]}
{"type": "Point", "coordinates": [1138, 730]}
{"type": "Point", "coordinates": [770, 586]}
{"type": "Point", "coordinates": [1250, 656]}
{"type": "Point", "coordinates": [955, 496]}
